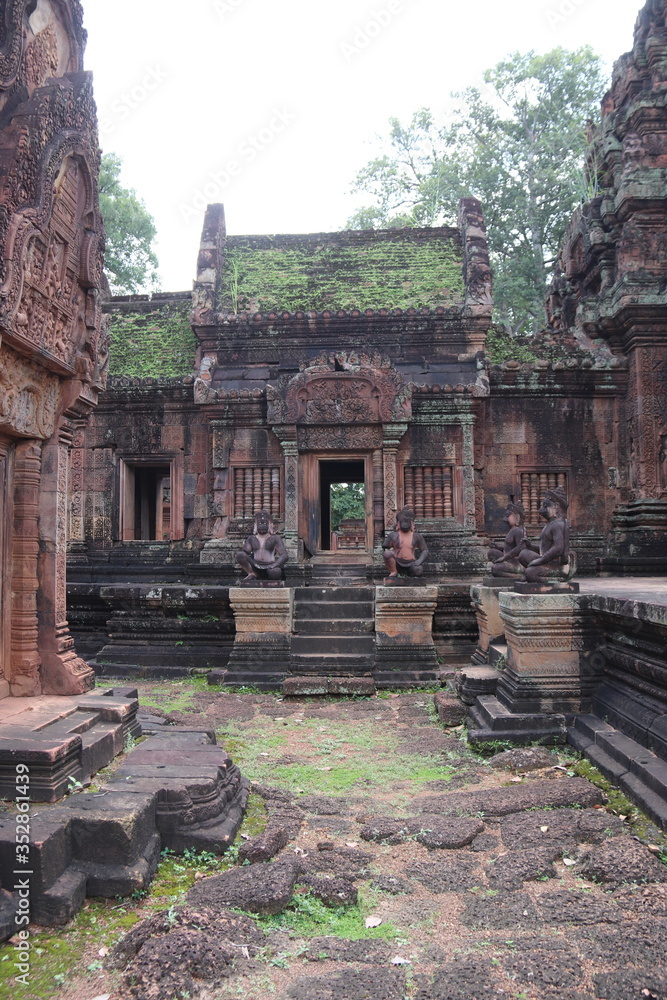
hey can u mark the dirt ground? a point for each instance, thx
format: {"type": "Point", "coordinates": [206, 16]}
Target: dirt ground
{"type": "Point", "coordinates": [511, 876]}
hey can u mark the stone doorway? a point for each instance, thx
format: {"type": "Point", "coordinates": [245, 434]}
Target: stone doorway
{"type": "Point", "coordinates": [351, 534]}
{"type": "Point", "coordinates": [321, 472]}
{"type": "Point", "coordinates": [146, 502]}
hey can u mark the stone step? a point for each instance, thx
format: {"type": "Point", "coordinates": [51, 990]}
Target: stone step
{"type": "Point", "coordinates": [640, 773]}
{"type": "Point", "coordinates": [317, 663]}
{"type": "Point", "coordinates": [335, 594]}
{"type": "Point", "coordinates": [333, 626]}
{"type": "Point", "coordinates": [295, 686]}
{"type": "Point", "coordinates": [263, 680]}
{"type": "Point", "coordinates": [491, 720]}
{"type": "Point", "coordinates": [404, 678]}
{"type": "Point", "coordinates": [346, 645]}
{"type": "Point", "coordinates": [339, 610]}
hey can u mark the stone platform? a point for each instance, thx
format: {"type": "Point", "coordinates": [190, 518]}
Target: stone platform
{"type": "Point", "coordinates": [592, 668]}
{"type": "Point", "coordinates": [63, 740]}
{"type": "Point", "coordinates": [176, 790]}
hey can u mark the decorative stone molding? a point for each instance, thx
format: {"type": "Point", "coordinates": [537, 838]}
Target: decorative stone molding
{"type": "Point", "coordinates": [548, 636]}
{"type": "Point", "coordinates": [261, 612]}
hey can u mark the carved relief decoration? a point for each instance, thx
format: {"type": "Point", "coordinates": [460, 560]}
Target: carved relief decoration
{"type": "Point", "coordinates": [32, 48]}
{"type": "Point", "coordinates": [28, 397]}
{"type": "Point", "coordinates": [341, 389]}
{"type": "Point", "coordinates": [52, 232]}
{"type": "Point", "coordinates": [341, 437]}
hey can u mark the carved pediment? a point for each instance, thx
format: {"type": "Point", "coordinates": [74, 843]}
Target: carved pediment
{"type": "Point", "coordinates": [340, 389]}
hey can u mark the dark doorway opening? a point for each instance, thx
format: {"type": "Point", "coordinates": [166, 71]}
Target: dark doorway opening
{"type": "Point", "coordinates": [335, 474]}
{"type": "Point", "coordinates": [152, 502]}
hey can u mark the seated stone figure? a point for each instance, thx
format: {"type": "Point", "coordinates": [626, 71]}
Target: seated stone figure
{"type": "Point", "coordinates": [505, 562]}
{"type": "Point", "coordinates": [263, 554]}
{"type": "Point", "coordinates": [404, 548]}
{"type": "Point", "coordinates": [555, 563]}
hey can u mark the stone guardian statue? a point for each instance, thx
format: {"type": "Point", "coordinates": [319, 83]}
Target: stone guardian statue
{"type": "Point", "coordinates": [263, 554]}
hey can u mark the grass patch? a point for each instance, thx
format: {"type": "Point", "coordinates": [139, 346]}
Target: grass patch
{"type": "Point", "coordinates": [308, 917]}
{"type": "Point", "coordinates": [339, 756]}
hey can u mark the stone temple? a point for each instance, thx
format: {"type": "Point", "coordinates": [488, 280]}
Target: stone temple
{"type": "Point", "coordinates": [296, 363]}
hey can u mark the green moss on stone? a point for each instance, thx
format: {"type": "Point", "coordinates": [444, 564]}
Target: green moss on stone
{"type": "Point", "coordinates": [304, 274]}
{"type": "Point", "coordinates": [153, 344]}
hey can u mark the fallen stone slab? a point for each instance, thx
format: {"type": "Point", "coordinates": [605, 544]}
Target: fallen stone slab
{"type": "Point", "coordinates": [640, 943]}
{"type": "Point", "coordinates": [432, 831]}
{"type": "Point", "coordinates": [642, 900]}
{"type": "Point", "coordinates": [467, 978]}
{"type": "Point", "coordinates": [523, 759]}
{"type": "Point", "coordinates": [647, 984]}
{"type": "Point", "coordinates": [516, 867]}
{"type": "Point", "coordinates": [370, 951]}
{"type": "Point", "coordinates": [547, 965]}
{"type": "Point", "coordinates": [225, 925]}
{"type": "Point", "coordinates": [451, 711]}
{"type": "Point", "coordinates": [266, 846]}
{"type": "Point", "coordinates": [500, 910]}
{"type": "Point", "coordinates": [386, 830]}
{"type": "Point", "coordinates": [448, 874]}
{"type": "Point", "coordinates": [348, 862]}
{"type": "Point", "coordinates": [179, 964]}
{"type": "Point", "coordinates": [622, 859]}
{"type": "Point", "coordinates": [559, 792]}
{"type": "Point", "coordinates": [332, 890]}
{"type": "Point", "coordinates": [393, 885]}
{"type": "Point", "coordinates": [350, 984]}
{"type": "Point", "coordinates": [446, 834]}
{"type": "Point", "coordinates": [263, 888]}
{"type": "Point", "coordinates": [562, 828]}
{"type": "Point", "coordinates": [578, 906]}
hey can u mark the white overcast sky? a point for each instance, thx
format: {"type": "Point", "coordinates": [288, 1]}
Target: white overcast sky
{"type": "Point", "coordinates": [271, 106]}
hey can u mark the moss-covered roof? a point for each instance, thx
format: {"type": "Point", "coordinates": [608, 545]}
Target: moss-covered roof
{"type": "Point", "coordinates": [152, 338]}
{"type": "Point", "coordinates": [370, 269]}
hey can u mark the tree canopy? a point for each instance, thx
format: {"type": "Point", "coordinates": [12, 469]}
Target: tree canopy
{"type": "Point", "coordinates": [347, 500]}
{"type": "Point", "coordinates": [130, 260]}
{"type": "Point", "coordinates": [517, 145]}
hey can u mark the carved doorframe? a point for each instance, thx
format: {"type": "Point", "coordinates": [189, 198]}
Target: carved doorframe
{"type": "Point", "coordinates": [6, 514]}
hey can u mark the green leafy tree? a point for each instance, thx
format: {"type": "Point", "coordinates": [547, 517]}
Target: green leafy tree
{"type": "Point", "coordinates": [130, 261]}
{"type": "Point", "coordinates": [347, 500]}
{"type": "Point", "coordinates": [518, 146]}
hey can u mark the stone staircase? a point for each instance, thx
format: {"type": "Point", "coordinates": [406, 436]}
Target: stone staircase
{"type": "Point", "coordinates": [334, 641]}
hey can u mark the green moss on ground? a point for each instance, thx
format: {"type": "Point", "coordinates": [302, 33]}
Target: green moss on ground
{"type": "Point", "coordinates": [386, 274]}
{"type": "Point", "coordinates": [153, 344]}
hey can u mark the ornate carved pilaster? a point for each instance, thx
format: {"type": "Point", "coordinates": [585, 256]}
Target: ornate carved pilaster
{"type": "Point", "coordinates": [222, 436]}
{"type": "Point", "coordinates": [286, 434]}
{"type": "Point", "coordinates": [647, 404]}
{"type": "Point", "coordinates": [62, 671]}
{"type": "Point", "coordinates": [391, 438]}
{"type": "Point", "coordinates": [25, 658]}
{"type": "Point", "coordinates": [468, 472]}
